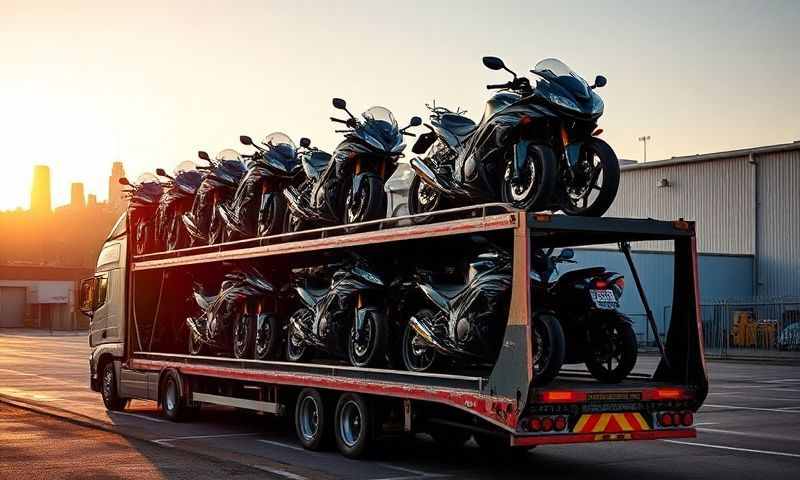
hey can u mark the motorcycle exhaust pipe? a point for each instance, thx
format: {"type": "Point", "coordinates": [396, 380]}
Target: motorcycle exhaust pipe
{"type": "Point", "coordinates": [427, 175]}
{"type": "Point", "coordinates": [427, 334]}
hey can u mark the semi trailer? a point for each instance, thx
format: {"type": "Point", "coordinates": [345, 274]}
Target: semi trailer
{"type": "Point", "coordinates": [137, 306]}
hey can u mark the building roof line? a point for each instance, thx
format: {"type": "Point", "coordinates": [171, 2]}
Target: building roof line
{"type": "Point", "coordinates": [707, 157]}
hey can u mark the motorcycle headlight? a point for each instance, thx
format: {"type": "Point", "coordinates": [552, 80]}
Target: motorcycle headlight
{"type": "Point", "coordinates": [564, 102]}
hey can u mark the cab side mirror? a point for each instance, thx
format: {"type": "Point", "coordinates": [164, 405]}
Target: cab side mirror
{"type": "Point", "coordinates": [245, 140]}
{"type": "Point", "coordinates": [493, 63]}
{"type": "Point", "coordinates": [415, 122]}
{"type": "Point", "coordinates": [339, 103]}
{"type": "Point", "coordinates": [203, 155]}
{"type": "Point", "coordinates": [599, 81]}
{"type": "Point", "coordinates": [305, 142]}
{"type": "Point", "coordinates": [124, 181]}
{"type": "Point", "coordinates": [88, 289]}
{"type": "Point", "coordinates": [566, 254]}
{"type": "Point", "coordinates": [160, 172]}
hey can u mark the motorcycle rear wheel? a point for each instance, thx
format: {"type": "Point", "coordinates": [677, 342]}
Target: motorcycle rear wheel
{"type": "Point", "coordinates": [195, 345]}
{"type": "Point", "coordinates": [422, 198]}
{"type": "Point", "coordinates": [296, 349]}
{"type": "Point", "coordinates": [417, 357]}
{"type": "Point", "coordinates": [538, 182]}
{"type": "Point", "coordinates": [549, 347]}
{"type": "Point", "coordinates": [367, 204]}
{"type": "Point", "coordinates": [244, 333]}
{"type": "Point", "coordinates": [372, 352]}
{"type": "Point", "coordinates": [624, 350]}
{"type": "Point", "coordinates": [267, 337]}
{"type": "Point", "coordinates": [598, 156]}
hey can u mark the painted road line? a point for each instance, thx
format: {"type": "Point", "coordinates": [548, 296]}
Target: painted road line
{"type": "Point", "coordinates": [201, 437]}
{"type": "Point", "coordinates": [748, 434]}
{"type": "Point", "coordinates": [416, 473]}
{"type": "Point", "coordinates": [285, 445]}
{"type": "Point", "coordinates": [758, 397]}
{"type": "Point", "coordinates": [280, 473]}
{"type": "Point", "coordinates": [734, 449]}
{"type": "Point", "coordinates": [737, 407]}
{"type": "Point", "coordinates": [705, 423]}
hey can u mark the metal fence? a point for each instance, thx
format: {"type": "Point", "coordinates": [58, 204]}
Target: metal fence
{"type": "Point", "coordinates": [760, 328]}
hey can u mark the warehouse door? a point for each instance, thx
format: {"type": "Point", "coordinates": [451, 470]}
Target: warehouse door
{"type": "Point", "coordinates": [12, 306]}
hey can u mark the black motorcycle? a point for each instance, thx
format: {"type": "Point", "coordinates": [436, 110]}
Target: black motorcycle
{"type": "Point", "coordinates": [341, 314]}
{"type": "Point", "coordinates": [144, 196]}
{"type": "Point", "coordinates": [586, 302]}
{"type": "Point", "coordinates": [511, 153]}
{"type": "Point", "coordinates": [177, 200]}
{"type": "Point", "coordinates": [258, 207]}
{"type": "Point", "coordinates": [240, 318]}
{"type": "Point", "coordinates": [464, 320]}
{"type": "Point", "coordinates": [315, 199]}
{"type": "Point", "coordinates": [350, 189]}
{"type": "Point", "coordinates": [203, 222]}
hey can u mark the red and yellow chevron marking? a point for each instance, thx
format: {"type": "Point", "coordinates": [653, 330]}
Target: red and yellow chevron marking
{"type": "Point", "coordinates": [610, 423]}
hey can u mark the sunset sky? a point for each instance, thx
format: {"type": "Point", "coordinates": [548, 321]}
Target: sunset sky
{"type": "Point", "coordinates": [85, 83]}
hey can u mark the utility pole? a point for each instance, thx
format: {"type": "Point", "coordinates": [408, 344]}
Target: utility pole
{"type": "Point", "coordinates": [644, 140]}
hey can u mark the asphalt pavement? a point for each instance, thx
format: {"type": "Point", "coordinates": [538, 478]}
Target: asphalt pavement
{"type": "Point", "coordinates": [748, 428]}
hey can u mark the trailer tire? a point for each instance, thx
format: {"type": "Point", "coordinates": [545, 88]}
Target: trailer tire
{"type": "Point", "coordinates": [353, 425]}
{"type": "Point", "coordinates": [311, 420]}
{"type": "Point", "coordinates": [173, 401]}
{"type": "Point", "coordinates": [108, 388]}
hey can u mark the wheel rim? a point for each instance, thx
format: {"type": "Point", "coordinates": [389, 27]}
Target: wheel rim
{"type": "Point", "coordinates": [588, 181]}
{"type": "Point", "coordinates": [294, 346]}
{"type": "Point", "coordinates": [362, 344]}
{"type": "Point", "coordinates": [520, 192]}
{"type": "Point", "coordinates": [420, 356]}
{"type": "Point", "coordinates": [309, 418]}
{"type": "Point", "coordinates": [171, 396]}
{"type": "Point", "coordinates": [240, 334]}
{"type": "Point", "coordinates": [108, 383]}
{"type": "Point", "coordinates": [609, 355]}
{"type": "Point", "coordinates": [427, 197]}
{"type": "Point", "coordinates": [542, 352]}
{"type": "Point", "coordinates": [350, 423]}
{"type": "Point", "coordinates": [263, 337]}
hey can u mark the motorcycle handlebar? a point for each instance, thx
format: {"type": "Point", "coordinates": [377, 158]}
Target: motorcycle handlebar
{"type": "Point", "coordinates": [498, 85]}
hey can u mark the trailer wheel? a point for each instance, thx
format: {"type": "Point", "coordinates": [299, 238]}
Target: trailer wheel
{"type": "Point", "coordinates": [108, 389]}
{"type": "Point", "coordinates": [353, 426]}
{"type": "Point", "coordinates": [173, 402]}
{"type": "Point", "coordinates": [244, 333]}
{"type": "Point", "coordinates": [311, 419]}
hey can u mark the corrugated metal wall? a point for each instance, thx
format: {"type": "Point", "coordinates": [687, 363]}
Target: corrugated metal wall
{"type": "Point", "coordinates": [718, 195]}
{"type": "Point", "coordinates": [721, 276]}
{"type": "Point", "coordinates": [779, 224]}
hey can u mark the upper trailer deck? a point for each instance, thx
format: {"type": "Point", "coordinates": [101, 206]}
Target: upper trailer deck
{"type": "Point", "coordinates": [546, 230]}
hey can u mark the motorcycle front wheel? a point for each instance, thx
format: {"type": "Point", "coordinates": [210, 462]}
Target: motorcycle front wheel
{"type": "Point", "coordinates": [272, 219]}
{"type": "Point", "coordinates": [422, 198]}
{"type": "Point", "coordinates": [195, 344]}
{"type": "Point", "coordinates": [549, 348]}
{"type": "Point", "coordinates": [595, 181]}
{"type": "Point", "coordinates": [267, 329]}
{"type": "Point", "coordinates": [243, 335]}
{"type": "Point", "coordinates": [613, 354]}
{"type": "Point", "coordinates": [296, 348]}
{"type": "Point", "coordinates": [536, 183]}
{"type": "Point", "coordinates": [369, 203]}
{"type": "Point", "coordinates": [368, 349]}
{"type": "Point", "coordinates": [418, 356]}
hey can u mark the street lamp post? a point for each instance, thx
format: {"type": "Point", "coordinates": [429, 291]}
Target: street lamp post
{"type": "Point", "coordinates": [644, 141]}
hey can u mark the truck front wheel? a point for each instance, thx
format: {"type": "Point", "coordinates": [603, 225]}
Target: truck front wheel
{"type": "Point", "coordinates": [174, 403]}
{"type": "Point", "coordinates": [108, 389]}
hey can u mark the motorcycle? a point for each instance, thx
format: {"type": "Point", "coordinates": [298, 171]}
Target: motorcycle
{"type": "Point", "coordinates": [586, 303]}
{"type": "Point", "coordinates": [181, 187]}
{"type": "Point", "coordinates": [258, 207]}
{"type": "Point", "coordinates": [511, 153]}
{"type": "Point", "coordinates": [315, 200]}
{"type": "Point", "coordinates": [350, 189]}
{"type": "Point", "coordinates": [203, 222]}
{"type": "Point", "coordinates": [341, 314]}
{"type": "Point", "coordinates": [240, 318]}
{"type": "Point", "coordinates": [461, 321]}
{"type": "Point", "coordinates": [144, 196]}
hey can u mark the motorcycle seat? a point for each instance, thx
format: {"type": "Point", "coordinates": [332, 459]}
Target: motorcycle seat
{"type": "Point", "coordinates": [449, 291]}
{"type": "Point", "coordinates": [315, 163]}
{"type": "Point", "coordinates": [458, 125]}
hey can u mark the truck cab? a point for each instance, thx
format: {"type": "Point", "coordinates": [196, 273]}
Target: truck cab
{"type": "Point", "coordinates": [103, 301]}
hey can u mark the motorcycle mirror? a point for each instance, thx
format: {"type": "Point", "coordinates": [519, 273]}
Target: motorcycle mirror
{"type": "Point", "coordinates": [161, 172]}
{"type": "Point", "coordinates": [566, 254]}
{"type": "Point", "coordinates": [204, 155]}
{"type": "Point", "coordinates": [415, 122]}
{"type": "Point", "coordinates": [245, 140]}
{"type": "Point", "coordinates": [124, 181]}
{"type": "Point", "coordinates": [339, 103]}
{"type": "Point", "coordinates": [493, 63]}
{"type": "Point", "coordinates": [600, 81]}
{"type": "Point", "coordinates": [305, 142]}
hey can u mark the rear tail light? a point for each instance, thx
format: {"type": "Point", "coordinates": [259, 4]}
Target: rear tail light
{"type": "Point", "coordinates": [535, 424]}
{"type": "Point", "coordinates": [560, 423]}
{"type": "Point", "coordinates": [666, 420]}
{"type": "Point", "coordinates": [600, 284]}
{"type": "Point", "coordinates": [546, 423]}
{"type": "Point", "coordinates": [688, 419]}
{"type": "Point", "coordinates": [675, 419]}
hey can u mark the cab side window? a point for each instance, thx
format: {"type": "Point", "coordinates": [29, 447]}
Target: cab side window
{"type": "Point", "coordinates": [102, 291]}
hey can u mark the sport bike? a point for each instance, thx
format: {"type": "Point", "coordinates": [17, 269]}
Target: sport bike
{"type": "Point", "coordinates": [341, 314]}
{"type": "Point", "coordinates": [144, 196]}
{"type": "Point", "coordinates": [177, 200]}
{"type": "Point", "coordinates": [535, 147]}
{"type": "Point", "coordinates": [203, 222]}
{"type": "Point", "coordinates": [586, 303]}
{"type": "Point", "coordinates": [258, 207]}
{"type": "Point", "coordinates": [240, 318]}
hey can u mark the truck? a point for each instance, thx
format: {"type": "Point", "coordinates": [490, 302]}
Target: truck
{"type": "Point", "coordinates": [137, 350]}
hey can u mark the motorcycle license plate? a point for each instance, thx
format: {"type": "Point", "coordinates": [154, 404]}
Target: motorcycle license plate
{"type": "Point", "coordinates": [604, 299]}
